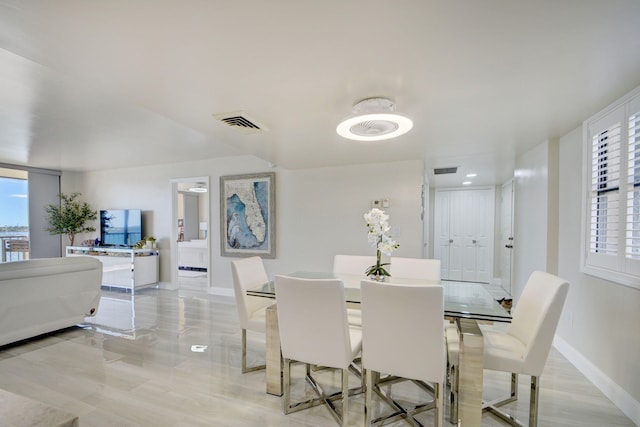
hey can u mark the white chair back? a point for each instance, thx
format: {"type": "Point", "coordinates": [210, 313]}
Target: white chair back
{"type": "Point", "coordinates": [403, 330]}
{"type": "Point", "coordinates": [312, 318]}
{"type": "Point", "coordinates": [249, 273]}
{"type": "Point", "coordinates": [535, 318]}
{"type": "Point", "coordinates": [352, 264]}
{"type": "Point", "coordinates": [415, 268]}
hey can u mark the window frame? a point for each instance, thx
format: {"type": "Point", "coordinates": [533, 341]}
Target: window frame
{"type": "Point", "coordinates": [616, 268]}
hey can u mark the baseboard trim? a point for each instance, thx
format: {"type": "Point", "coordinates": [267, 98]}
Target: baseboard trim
{"type": "Point", "coordinates": [623, 400]}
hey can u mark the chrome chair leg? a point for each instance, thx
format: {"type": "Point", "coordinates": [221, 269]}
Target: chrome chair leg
{"type": "Point", "coordinates": [341, 417]}
{"type": "Point", "coordinates": [373, 383]}
{"type": "Point", "coordinates": [533, 403]}
{"type": "Point", "coordinates": [454, 382]}
{"type": "Point", "coordinates": [246, 369]}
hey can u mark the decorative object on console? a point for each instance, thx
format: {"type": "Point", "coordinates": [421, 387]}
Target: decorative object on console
{"type": "Point", "coordinates": [378, 233]}
{"type": "Point", "coordinates": [151, 242]}
{"type": "Point", "coordinates": [70, 216]}
{"type": "Point", "coordinates": [247, 215]}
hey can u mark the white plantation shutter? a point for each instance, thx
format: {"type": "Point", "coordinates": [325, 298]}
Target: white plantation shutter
{"type": "Point", "coordinates": [632, 199]}
{"type": "Point", "coordinates": [612, 215]}
{"type": "Point", "coordinates": [633, 189]}
{"type": "Point", "coordinates": [605, 191]}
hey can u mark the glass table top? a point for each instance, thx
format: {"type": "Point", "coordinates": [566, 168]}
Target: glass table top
{"type": "Point", "coordinates": [461, 299]}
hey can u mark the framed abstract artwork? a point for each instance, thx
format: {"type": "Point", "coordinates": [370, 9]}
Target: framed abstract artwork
{"type": "Point", "coordinates": [247, 215]}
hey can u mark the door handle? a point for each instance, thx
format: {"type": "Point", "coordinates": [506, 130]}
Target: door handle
{"type": "Point", "coordinates": [474, 242]}
{"type": "Point", "coordinates": [450, 240]}
{"type": "Point", "coordinates": [508, 246]}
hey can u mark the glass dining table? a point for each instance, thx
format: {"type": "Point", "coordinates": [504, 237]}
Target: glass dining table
{"type": "Point", "coordinates": [465, 304]}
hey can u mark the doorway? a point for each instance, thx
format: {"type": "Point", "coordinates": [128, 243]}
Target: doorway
{"type": "Point", "coordinates": [463, 233]}
{"type": "Point", "coordinates": [506, 236]}
{"type": "Point", "coordinates": [190, 228]}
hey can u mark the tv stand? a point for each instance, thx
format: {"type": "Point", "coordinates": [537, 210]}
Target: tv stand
{"type": "Point", "coordinates": [126, 268]}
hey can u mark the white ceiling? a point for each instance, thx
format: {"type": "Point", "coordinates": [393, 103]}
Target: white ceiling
{"type": "Point", "coordinates": [89, 84]}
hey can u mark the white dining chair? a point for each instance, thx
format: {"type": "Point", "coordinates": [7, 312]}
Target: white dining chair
{"type": "Point", "coordinates": [403, 337]}
{"type": "Point", "coordinates": [415, 268]}
{"type": "Point", "coordinates": [312, 320]}
{"type": "Point", "coordinates": [352, 264]}
{"type": "Point", "coordinates": [250, 273]}
{"type": "Point", "coordinates": [524, 347]}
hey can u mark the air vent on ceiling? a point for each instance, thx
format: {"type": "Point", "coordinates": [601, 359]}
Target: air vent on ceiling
{"type": "Point", "coordinates": [239, 120]}
{"type": "Point", "coordinates": [444, 171]}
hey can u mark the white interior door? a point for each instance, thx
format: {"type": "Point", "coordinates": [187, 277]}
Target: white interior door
{"type": "Point", "coordinates": [463, 226]}
{"type": "Point", "coordinates": [441, 231]}
{"type": "Point", "coordinates": [457, 231]}
{"type": "Point", "coordinates": [506, 236]}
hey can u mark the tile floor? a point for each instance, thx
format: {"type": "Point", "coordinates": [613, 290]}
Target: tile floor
{"type": "Point", "coordinates": [172, 358]}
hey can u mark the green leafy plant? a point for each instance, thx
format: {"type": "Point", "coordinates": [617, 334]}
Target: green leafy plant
{"type": "Point", "coordinates": [70, 217]}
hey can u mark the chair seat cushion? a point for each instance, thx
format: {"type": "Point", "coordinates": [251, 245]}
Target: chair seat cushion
{"type": "Point", "coordinates": [355, 333]}
{"type": "Point", "coordinates": [355, 316]}
{"type": "Point", "coordinates": [503, 352]}
{"type": "Point", "coordinates": [257, 320]}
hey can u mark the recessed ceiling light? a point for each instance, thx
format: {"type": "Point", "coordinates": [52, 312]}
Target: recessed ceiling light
{"type": "Point", "coordinates": [466, 183]}
{"type": "Point", "coordinates": [471, 175]}
{"type": "Point", "coordinates": [374, 119]}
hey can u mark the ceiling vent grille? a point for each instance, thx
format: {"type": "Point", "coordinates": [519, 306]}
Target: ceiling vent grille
{"type": "Point", "coordinates": [239, 120]}
{"type": "Point", "coordinates": [444, 171]}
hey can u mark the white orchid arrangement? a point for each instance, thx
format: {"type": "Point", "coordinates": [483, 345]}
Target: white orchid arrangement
{"type": "Point", "coordinates": [378, 234]}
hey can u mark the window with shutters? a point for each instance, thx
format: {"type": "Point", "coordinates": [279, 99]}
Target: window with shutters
{"type": "Point", "coordinates": [612, 204]}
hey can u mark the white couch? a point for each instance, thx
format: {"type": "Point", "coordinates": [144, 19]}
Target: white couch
{"type": "Point", "coordinates": [44, 295]}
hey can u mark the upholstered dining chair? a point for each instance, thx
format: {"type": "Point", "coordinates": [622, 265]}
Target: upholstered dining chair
{"type": "Point", "coordinates": [415, 268]}
{"type": "Point", "coordinates": [403, 337]}
{"type": "Point", "coordinates": [312, 320]}
{"type": "Point", "coordinates": [524, 347]}
{"type": "Point", "coordinates": [352, 264]}
{"type": "Point", "coordinates": [249, 273]}
{"type": "Point", "coordinates": [356, 265]}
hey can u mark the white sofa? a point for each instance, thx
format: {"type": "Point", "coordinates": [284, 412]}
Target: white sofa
{"type": "Point", "coordinates": [44, 295]}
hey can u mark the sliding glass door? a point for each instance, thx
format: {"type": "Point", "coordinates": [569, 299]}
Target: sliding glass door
{"type": "Point", "coordinates": [14, 215]}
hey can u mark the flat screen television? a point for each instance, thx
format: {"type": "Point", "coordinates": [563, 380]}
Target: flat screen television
{"type": "Point", "coordinates": [120, 227]}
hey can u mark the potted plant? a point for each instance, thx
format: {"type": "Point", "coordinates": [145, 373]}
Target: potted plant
{"type": "Point", "coordinates": [151, 242]}
{"type": "Point", "coordinates": [70, 216]}
{"type": "Point", "coordinates": [378, 234]}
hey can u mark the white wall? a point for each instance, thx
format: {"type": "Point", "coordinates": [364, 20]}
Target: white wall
{"type": "Point", "coordinates": [319, 211]}
{"type": "Point", "coordinates": [600, 327]}
{"type": "Point", "coordinates": [598, 330]}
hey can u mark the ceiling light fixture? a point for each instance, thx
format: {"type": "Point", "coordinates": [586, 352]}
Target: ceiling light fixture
{"type": "Point", "coordinates": [199, 188]}
{"type": "Point", "coordinates": [374, 119]}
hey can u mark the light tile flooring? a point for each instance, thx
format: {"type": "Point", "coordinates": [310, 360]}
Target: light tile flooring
{"type": "Point", "coordinates": [172, 358]}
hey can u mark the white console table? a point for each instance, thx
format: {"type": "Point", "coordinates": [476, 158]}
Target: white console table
{"type": "Point", "coordinates": [123, 267]}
